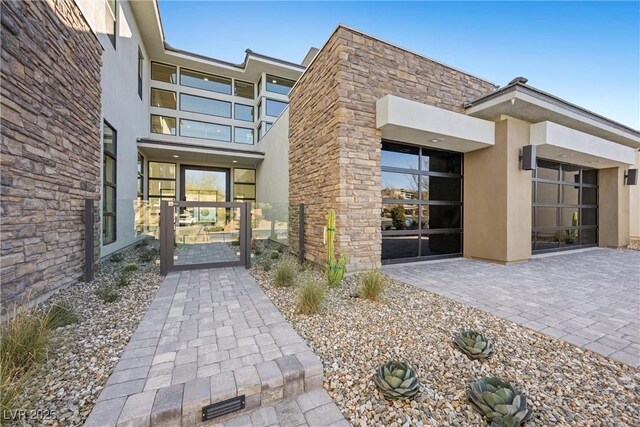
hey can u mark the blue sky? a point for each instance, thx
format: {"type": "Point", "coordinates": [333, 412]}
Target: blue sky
{"type": "Point", "coordinates": [587, 53]}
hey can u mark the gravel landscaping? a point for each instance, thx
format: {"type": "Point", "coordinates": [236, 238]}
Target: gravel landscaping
{"type": "Point", "coordinates": [84, 354]}
{"type": "Point", "coordinates": [564, 385]}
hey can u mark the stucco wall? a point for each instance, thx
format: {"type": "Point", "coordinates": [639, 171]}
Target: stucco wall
{"type": "Point", "coordinates": [613, 208]}
{"type": "Point", "coordinates": [51, 150]}
{"type": "Point", "coordinates": [272, 174]}
{"type": "Point", "coordinates": [634, 206]}
{"type": "Point", "coordinates": [334, 150]}
{"type": "Point", "coordinates": [122, 107]}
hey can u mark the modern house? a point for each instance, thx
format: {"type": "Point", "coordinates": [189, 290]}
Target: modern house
{"type": "Point", "coordinates": [419, 159]}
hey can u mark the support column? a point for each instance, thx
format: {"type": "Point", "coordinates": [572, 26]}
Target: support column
{"type": "Point", "coordinates": [613, 208]}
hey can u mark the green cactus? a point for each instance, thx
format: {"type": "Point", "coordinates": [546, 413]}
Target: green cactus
{"type": "Point", "coordinates": [335, 268]}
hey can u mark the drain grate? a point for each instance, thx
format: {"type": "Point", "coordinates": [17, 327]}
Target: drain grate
{"type": "Point", "coordinates": [222, 408]}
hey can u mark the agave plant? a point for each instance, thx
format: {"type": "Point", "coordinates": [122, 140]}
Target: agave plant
{"type": "Point", "coordinates": [500, 402]}
{"type": "Point", "coordinates": [397, 380]}
{"type": "Point", "coordinates": [474, 344]}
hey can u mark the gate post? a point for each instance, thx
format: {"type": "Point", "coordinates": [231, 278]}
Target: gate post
{"type": "Point", "coordinates": [245, 235]}
{"type": "Point", "coordinates": [301, 232]}
{"type": "Point", "coordinates": [89, 223]}
{"type": "Point", "coordinates": [166, 236]}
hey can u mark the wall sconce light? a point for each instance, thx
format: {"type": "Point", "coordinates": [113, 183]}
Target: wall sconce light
{"type": "Point", "coordinates": [528, 158]}
{"type": "Point", "coordinates": [631, 177]}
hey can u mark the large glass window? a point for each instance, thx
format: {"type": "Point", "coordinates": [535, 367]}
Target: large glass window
{"type": "Point", "coordinates": [421, 202]}
{"type": "Point", "coordinates": [244, 185]}
{"type": "Point", "coordinates": [111, 21]}
{"type": "Point", "coordinates": [243, 135]}
{"type": "Point", "coordinates": [140, 70]}
{"type": "Point", "coordinates": [198, 104]}
{"type": "Point", "coordinates": [163, 98]}
{"type": "Point", "coordinates": [162, 184]}
{"type": "Point", "coordinates": [275, 108]}
{"type": "Point", "coordinates": [140, 177]}
{"type": "Point", "coordinates": [243, 112]}
{"type": "Point", "coordinates": [279, 85]}
{"type": "Point", "coordinates": [163, 73]}
{"type": "Point", "coordinates": [205, 81]}
{"type": "Point", "coordinates": [243, 89]}
{"type": "Point", "coordinates": [195, 129]}
{"type": "Point", "coordinates": [109, 189]}
{"type": "Point", "coordinates": [565, 206]}
{"type": "Point", "coordinates": [163, 125]}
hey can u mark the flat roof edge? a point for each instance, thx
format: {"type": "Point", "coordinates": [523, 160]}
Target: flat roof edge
{"type": "Point", "coordinates": [545, 96]}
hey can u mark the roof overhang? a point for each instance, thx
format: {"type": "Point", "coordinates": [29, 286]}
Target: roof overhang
{"type": "Point", "coordinates": [413, 122]}
{"type": "Point", "coordinates": [557, 142]}
{"type": "Point", "coordinates": [533, 105]}
{"type": "Point", "coordinates": [149, 24]}
{"type": "Point", "coordinates": [195, 154]}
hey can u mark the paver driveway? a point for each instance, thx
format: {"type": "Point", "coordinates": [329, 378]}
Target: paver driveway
{"type": "Point", "coordinates": [589, 298]}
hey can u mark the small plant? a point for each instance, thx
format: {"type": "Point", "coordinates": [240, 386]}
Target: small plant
{"type": "Point", "coordinates": [275, 255]}
{"type": "Point", "coordinates": [149, 255]}
{"type": "Point", "coordinates": [474, 344]}
{"type": "Point", "coordinates": [280, 249]}
{"type": "Point", "coordinates": [61, 314]}
{"type": "Point", "coordinates": [500, 402]}
{"type": "Point", "coordinates": [123, 281]}
{"type": "Point", "coordinates": [257, 251]}
{"type": "Point", "coordinates": [397, 380]}
{"type": "Point", "coordinates": [264, 263]}
{"type": "Point", "coordinates": [24, 343]}
{"type": "Point", "coordinates": [372, 284]}
{"type": "Point", "coordinates": [142, 243]}
{"type": "Point", "coordinates": [285, 272]}
{"type": "Point", "coordinates": [117, 257]}
{"type": "Point", "coordinates": [132, 266]}
{"type": "Point", "coordinates": [107, 293]}
{"type": "Point", "coordinates": [311, 296]}
{"type": "Point", "coordinates": [335, 268]}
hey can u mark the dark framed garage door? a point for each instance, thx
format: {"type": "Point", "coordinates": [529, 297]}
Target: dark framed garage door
{"type": "Point", "coordinates": [564, 206]}
{"type": "Point", "coordinates": [421, 203]}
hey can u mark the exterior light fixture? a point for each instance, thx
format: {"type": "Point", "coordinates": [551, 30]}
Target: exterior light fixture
{"type": "Point", "coordinates": [234, 161]}
{"type": "Point", "coordinates": [436, 140]}
{"type": "Point", "coordinates": [176, 156]}
{"type": "Point", "coordinates": [528, 158]}
{"type": "Point", "coordinates": [631, 177]}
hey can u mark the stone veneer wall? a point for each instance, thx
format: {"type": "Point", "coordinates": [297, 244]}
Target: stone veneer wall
{"type": "Point", "coordinates": [334, 145]}
{"type": "Point", "coordinates": [51, 149]}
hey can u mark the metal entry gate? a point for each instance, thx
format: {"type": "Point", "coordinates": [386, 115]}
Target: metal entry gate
{"type": "Point", "coordinates": [195, 235]}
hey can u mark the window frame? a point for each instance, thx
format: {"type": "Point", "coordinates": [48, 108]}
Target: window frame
{"type": "Point", "coordinates": [114, 156]}
{"type": "Point", "coordinates": [157, 89]}
{"type": "Point", "coordinates": [151, 116]}
{"type": "Point", "coordinates": [208, 123]}
{"type": "Point", "coordinates": [253, 135]}
{"type": "Point", "coordinates": [230, 104]}
{"type": "Point", "coordinates": [235, 199]}
{"type": "Point", "coordinates": [268, 83]}
{"type": "Point", "coordinates": [140, 71]}
{"type": "Point", "coordinates": [160, 196]}
{"type": "Point", "coordinates": [175, 67]}
{"type": "Point", "coordinates": [266, 106]}
{"type": "Point", "coordinates": [114, 14]}
{"type": "Point", "coordinates": [253, 85]}
{"type": "Point", "coordinates": [253, 112]}
{"type": "Point", "coordinates": [183, 69]}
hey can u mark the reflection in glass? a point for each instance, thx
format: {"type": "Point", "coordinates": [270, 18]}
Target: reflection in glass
{"type": "Point", "coordinates": [547, 170]}
{"type": "Point", "coordinates": [570, 217]}
{"type": "Point", "coordinates": [243, 112]}
{"type": "Point", "coordinates": [570, 195]}
{"type": "Point", "coordinates": [243, 135]}
{"type": "Point", "coordinates": [163, 73]}
{"type": "Point", "coordinates": [441, 161]}
{"type": "Point", "coordinates": [198, 104]}
{"type": "Point", "coordinates": [397, 247]}
{"type": "Point", "coordinates": [589, 195]}
{"type": "Point", "coordinates": [545, 217]}
{"type": "Point", "coordinates": [163, 125]}
{"type": "Point", "coordinates": [163, 98]}
{"type": "Point", "coordinates": [279, 85]}
{"type": "Point", "coordinates": [440, 244]}
{"type": "Point", "coordinates": [244, 89]}
{"type": "Point", "coordinates": [438, 188]}
{"type": "Point", "coordinates": [440, 216]}
{"type": "Point", "coordinates": [547, 193]}
{"type": "Point", "coordinates": [204, 130]}
{"type": "Point", "coordinates": [275, 108]}
{"type": "Point", "coordinates": [399, 217]}
{"type": "Point", "coordinates": [400, 156]}
{"type": "Point", "coordinates": [399, 186]}
{"type": "Point", "coordinates": [205, 81]}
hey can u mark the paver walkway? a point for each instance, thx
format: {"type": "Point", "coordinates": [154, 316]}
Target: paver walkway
{"type": "Point", "coordinates": [588, 298]}
{"type": "Point", "coordinates": [210, 335]}
{"type": "Point", "coordinates": [203, 253]}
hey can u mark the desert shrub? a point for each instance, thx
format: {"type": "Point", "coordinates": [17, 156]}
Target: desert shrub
{"type": "Point", "coordinates": [149, 255]}
{"type": "Point", "coordinates": [24, 343]}
{"type": "Point", "coordinates": [123, 280]}
{"type": "Point", "coordinates": [280, 249]}
{"type": "Point", "coordinates": [372, 284]}
{"type": "Point", "coordinates": [117, 257]}
{"type": "Point", "coordinates": [107, 293]}
{"type": "Point", "coordinates": [142, 243]}
{"type": "Point", "coordinates": [61, 314]}
{"type": "Point", "coordinates": [264, 263]}
{"type": "Point", "coordinates": [132, 266]}
{"type": "Point", "coordinates": [257, 251]}
{"type": "Point", "coordinates": [311, 295]}
{"type": "Point", "coordinates": [275, 255]}
{"type": "Point", "coordinates": [285, 272]}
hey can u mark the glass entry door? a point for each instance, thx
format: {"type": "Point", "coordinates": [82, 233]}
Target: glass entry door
{"type": "Point", "coordinates": [206, 233]}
